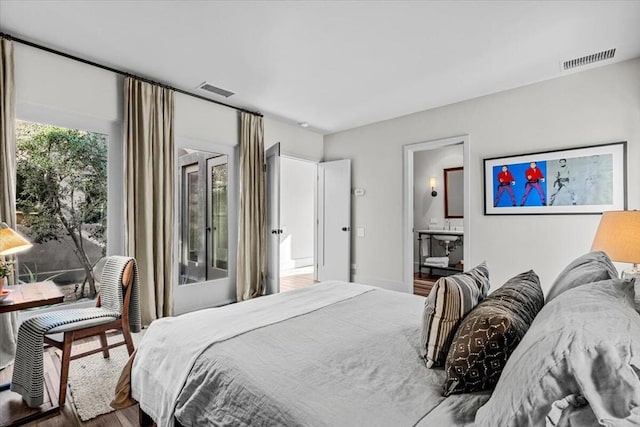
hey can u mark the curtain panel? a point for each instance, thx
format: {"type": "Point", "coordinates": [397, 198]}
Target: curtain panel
{"type": "Point", "coordinates": [252, 233]}
{"type": "Point", "coordinates": [149, 192]}
{"type": "Point", "coordinates": [8, 321]}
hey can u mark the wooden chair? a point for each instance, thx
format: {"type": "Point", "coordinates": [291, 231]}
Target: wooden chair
{"type": "Point", "coordinates": [89, 328]}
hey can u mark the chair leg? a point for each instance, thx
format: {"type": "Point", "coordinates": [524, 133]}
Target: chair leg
{"type": "Point", "coordinates": [104, 344]}
{"type": "Point", "coordinates": [127, 339]}
{"type": "Point", "coordinates": [64, 369]}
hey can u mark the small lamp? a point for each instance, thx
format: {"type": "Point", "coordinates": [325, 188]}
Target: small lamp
{"type": "Point", "coordinates": [618, 236]}
{"type": "Point", "coordinates": [12, 242]}
{"type": "Point", "coordinates": [432, 184]}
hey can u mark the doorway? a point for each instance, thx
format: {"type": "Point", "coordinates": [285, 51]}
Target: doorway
{"type": "Point", "coordinates": [436, 234]}
{"type": "Point", "coordinates": [297, 222]}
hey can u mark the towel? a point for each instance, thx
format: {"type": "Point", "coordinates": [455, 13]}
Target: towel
{"type": "Point", "coordinates": [437, 261]}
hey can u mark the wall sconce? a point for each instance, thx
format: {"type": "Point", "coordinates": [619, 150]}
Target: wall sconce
{"type": "Point", "coordinates": [432, 184]}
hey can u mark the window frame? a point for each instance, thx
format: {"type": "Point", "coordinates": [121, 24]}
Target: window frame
{"type": "Point", "coordinates": [115, 170]}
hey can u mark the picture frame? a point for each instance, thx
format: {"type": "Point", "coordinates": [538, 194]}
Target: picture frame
{"type": "Point", "coordinates": [582, 180]}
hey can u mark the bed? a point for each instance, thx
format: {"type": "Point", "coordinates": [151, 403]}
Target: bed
{"type": "Point", "coordinates": [341, 353]}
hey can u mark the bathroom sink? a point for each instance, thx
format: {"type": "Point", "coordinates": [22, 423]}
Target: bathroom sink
{"type": "Point", "coordinates": [439, 232]}
{"type": "Point", "coordinates": [447, 237]}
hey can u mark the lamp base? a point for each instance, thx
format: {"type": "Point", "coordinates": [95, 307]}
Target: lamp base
{"type": "Point", "coordinates": [631, 273]}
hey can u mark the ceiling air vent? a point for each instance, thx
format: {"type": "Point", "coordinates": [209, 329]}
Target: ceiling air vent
{"type": "Point", "coordinates": [214, 89]}
{"type": "Point", "coordinates": [595, 57]}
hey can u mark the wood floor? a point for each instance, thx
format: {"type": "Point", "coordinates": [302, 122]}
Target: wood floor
{"type": "Point", "coordinates": [12, 407]}
{"type": "Point", "coordinates": [296, 281]}
{"type": "Point", "coordinates": [422, 284]}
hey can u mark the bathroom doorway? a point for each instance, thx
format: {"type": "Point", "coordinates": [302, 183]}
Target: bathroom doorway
{"type": "Point", "coordinates": [436, 211]}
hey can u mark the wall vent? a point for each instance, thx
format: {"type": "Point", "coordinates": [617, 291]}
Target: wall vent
{"type": "Point", "coordinates": [214, 89]}
{"type": "Point", "coordinates": [595, 57]}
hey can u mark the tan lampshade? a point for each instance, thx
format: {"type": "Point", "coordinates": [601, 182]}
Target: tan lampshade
{"type": "Point", "coordinates": [618, 236]}
{"type": "Point", "coordinates": [11, 242]}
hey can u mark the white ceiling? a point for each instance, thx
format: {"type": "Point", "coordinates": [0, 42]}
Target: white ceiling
{"type": "Point", "coordinates": [336, 65]}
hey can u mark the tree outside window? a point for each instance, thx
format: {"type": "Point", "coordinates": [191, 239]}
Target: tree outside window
{"type": "Point", "coordinates": [61, 204]}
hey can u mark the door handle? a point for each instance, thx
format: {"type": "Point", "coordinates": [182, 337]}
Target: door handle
{"type": "Point", "coordinates": [274, 231]}
{"type": "Point", "coordinates": [346, 228]}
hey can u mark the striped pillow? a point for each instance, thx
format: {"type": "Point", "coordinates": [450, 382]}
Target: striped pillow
{"type": "Point", "coordinates": [451, 298]}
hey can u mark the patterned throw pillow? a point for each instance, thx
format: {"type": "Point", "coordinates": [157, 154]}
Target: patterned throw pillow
{"type": "Point", "coordinates": [451, 298]}
{"type": "Point", "coordinates": [489, 334]}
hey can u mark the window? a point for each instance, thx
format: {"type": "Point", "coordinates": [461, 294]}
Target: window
{"type": "Point", "coordinates": [204, 223]}
{"type": "Point", "coordinates": [61, 204]}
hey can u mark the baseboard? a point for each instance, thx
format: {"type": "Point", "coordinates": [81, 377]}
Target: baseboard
{"type": "Point", "coordinates": [303, 262]}
{"type": "Point", "coordinates": [291, 264]}
{"type": "Point", "coordinates": [382, 283]}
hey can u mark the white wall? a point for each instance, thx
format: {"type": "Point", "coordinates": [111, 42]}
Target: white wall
{"type": "Point", "coordinates": [297, 187]}
{"type": "Point", "coordinates": [57, 90]}
{"type": "Point", "coordinates": [596, 106]}
{"type": "Point", "coordinates": [427, 164]}
{"type": "Point", "coordinates": [294, 140]}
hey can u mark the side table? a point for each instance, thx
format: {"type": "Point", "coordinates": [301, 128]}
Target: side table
{"type": "Point", "coordinates": [24, 296]}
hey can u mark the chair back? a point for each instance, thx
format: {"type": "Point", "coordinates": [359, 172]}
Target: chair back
{"type": "Point", "coordinates": [117, 276]}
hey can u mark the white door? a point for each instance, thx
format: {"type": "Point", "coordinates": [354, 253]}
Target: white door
{"type": "Point", "coordinates": [272, 160]}
{"type": "Point", "coordinates": [334, 220]}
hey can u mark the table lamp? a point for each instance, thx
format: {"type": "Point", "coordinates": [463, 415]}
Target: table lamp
{"type": "Point", "coordinates": [618, 236]}
{"type": "Point", "coordinates": [11, 242]}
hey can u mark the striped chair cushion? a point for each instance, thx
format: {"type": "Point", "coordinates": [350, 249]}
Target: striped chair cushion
{"type": "Point", "coordinates": [451, 298]}
{"type": "Point", "coordinates": [489, 334]}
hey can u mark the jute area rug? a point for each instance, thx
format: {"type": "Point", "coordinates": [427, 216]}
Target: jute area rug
{"type": "Point", "coordinates": [93, 379]}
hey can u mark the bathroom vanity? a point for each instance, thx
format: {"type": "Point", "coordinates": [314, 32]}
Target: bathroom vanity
{"type": "Point", "coordinates": [448, 238]}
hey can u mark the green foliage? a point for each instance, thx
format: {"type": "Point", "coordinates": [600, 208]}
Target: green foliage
{"type": "Point", "coordinates": [61, 179]}
{"type": "Point", "coordinates": [33, 276]}
{"type": "Point", "coordinates": [5, 269]}
{"type": "Point", "coordinates": [62, 184]}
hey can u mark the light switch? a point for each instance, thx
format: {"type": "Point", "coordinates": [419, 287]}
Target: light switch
{"type": "Point", "coordinates": [360, 231]}
{"type": "Point", "coordinates": [359, 191]}
{"type": "Point", "coordinates": [433, 221]}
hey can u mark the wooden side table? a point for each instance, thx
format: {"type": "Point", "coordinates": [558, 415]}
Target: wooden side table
{"type": "Point", "coordinates": [24, 296]}
{"type": "Point", "coordinates": [31, 295]}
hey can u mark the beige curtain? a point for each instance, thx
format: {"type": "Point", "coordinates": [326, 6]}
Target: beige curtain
{"type": "Point", "coordinates": [8, 321]}
{"type": "Point", "coordinates": [252, 223]}
{"type": "Point", "coordinates": [149, 192]}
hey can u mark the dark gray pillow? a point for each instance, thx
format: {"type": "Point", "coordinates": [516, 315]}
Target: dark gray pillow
{"type": "Point", "coordinates": [489, 334]}
{"type": "Point", "coordinates": [589, 268]}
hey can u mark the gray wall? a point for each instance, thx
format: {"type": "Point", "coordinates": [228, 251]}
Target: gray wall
{"type": "Point", "coordinates": [596, 106]}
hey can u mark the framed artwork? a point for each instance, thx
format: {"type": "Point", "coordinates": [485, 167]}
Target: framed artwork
{"type": "Point", "coordinates": [584, 180]}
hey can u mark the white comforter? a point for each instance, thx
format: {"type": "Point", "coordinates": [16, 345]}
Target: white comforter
{"type": "Point", "coordinates": [171, 346]}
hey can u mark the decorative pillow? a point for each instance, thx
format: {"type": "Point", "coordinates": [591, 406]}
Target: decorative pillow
{"type": "Point", "coordinates": [450, 299]}
{"type": "Point", "coordinates": [489, 334]}
{"type": "Point", "coordinates": [582, 345]}
{"type": "Point", "coordinates": [588, 268]}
